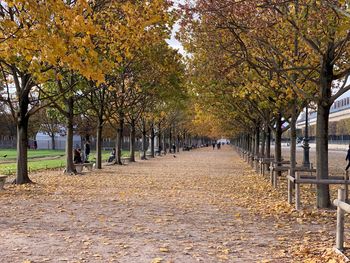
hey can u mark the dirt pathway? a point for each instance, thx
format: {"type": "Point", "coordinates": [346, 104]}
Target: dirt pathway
{"type": "Point", "coordinates": [202, 206]}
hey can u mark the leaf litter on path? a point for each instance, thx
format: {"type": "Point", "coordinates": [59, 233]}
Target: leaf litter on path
{"type": "Point", "coordinates": [203, 206]}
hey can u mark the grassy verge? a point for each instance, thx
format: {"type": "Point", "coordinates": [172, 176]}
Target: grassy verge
{"type": "Point", "coordinates": [35, 165]}
{"type": "Point", "coordinates": [12, 153]}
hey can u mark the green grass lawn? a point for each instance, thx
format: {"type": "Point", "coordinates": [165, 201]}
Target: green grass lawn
{"type": "Point", "coordinates": [35, 165]}
{"type": "Point", "coordinates": [11, 154]}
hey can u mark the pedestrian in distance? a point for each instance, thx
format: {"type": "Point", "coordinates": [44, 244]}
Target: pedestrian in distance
{"type": "Point", "coordinates": [348, 159]}
{"type": "Point", "coordinates": [35, 145]}
{"type": "Point", "coordinates": [160, 150]}
{"type": "Point", "coordinates": [87, 151]}
{"type": "Point", "coordinates": [213, 145]}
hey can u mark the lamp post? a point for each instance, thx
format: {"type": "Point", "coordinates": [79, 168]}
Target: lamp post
{"type": "Point", "coordinates": [306, 160]}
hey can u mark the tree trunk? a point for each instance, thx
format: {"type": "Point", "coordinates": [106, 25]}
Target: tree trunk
{"type": "Point", "coordinates": [268, 143]}
{"type": "Point", "coordinates": [53, 142]}
{"type": "Point", "coordinates": [69, 141]}
{"type": "Point", "coordinates": [99, 144]}
{"type": "Point", "coordinates": [263, 141]}
{"type": "Point", "coordinates": [144, 140]}
{"type": "Point", "coordinates": [118, 157]}
{"type": "Point", "coordinates": [170, 140]}
{"type": "Point", "coordinates": [152, 140]}
{"type": "Point", "coordinates": [23, 87]}
{"type": "Point", "coordinates": [293, 138]}
{"type": "Point", "coordinates": [164, 144]}
{"type": "Point", "coordinates": [132, 141]}
{"type": "Point", "coordinates": [178, 143]}
{"type": "Point", "coordinates": [257, 140]}
{"type": "Point", "coordinates": [278, 141]}
{"type": "Point", "coordinates": [22, 147]}
{"type": "Point", "coordinates": [159, 138]}
{"type": "Point", "coordinates": [323, 198]}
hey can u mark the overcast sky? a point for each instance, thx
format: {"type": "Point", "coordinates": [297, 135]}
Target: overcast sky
{"type": "Point", "coordinates": [172, 41]}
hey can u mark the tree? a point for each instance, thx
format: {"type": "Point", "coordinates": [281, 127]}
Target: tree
{"type": "Point", "coordinates": [50, 124]}
{"type": "Point", "coordinates": [37, 36]}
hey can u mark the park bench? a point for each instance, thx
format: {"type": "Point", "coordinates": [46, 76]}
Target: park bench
{"type": "Point", "coordinates": [2, 181]}
{"type": "Point", "coordinates": [186, 148]}
{"type": "Point", "coordinates": [148, 154]}
{"type": "Point", "coordinates": [125, 160]}
{"type": "Point", "coordinates": [306, 177]}
{"type": "Point", "coordinates": [79, 166]}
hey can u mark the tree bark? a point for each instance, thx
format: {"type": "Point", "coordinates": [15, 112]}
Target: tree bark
{"type": "Point", "coordinates": [22, 148]}
{"type": "Point", "coordinates": [293, 138]}
{"type": "Point", "coordinates": [152, 140]}
{"type": "Point", "coordinates": [170, 140]}
{"type": "Point", "coordinates": [159, 138]}
{"type": "Point", "coordinates": [263, 142]}
{"type": "Point", "coordinates": [178, 143]}
{"type": "Point", "coordinates": [257, 140]}
{"type": "Point", "coordinates": [53, 142]}
{"type": "Point", "coordinates": [323, 198]}
{"type": "Point", "coordinates": [278, 141]}
{"type": "Point", "coordinates": [69, 141]}
{"type": "Point", "coordinates": [164, 144]}
{"type": "Point", "coordinates": [144, 140]}
{"type": "Point", "coordinates": [268, 143]}
{"type": "Point", "coordinates": [99, 144]}
{"type": "Point", "coordinates": [118, 157]}
{"type": "Point", "coordinates": [22, 119]}
{"type": "Point", "coordinates": [132, 140]}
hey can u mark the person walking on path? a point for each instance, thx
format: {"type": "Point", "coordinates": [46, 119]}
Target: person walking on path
{"type": "Point", "coordinates": [348, 159]}
{"type": "Point", "coordinates": [213, 145]}
{"type": "Point", "coordinates": [35, 145]}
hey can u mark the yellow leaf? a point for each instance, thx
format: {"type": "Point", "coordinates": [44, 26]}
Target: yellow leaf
{"type": "Point", "coordinates": [164, 249]}
{"type": "Point", "coordinates": [157, 260]}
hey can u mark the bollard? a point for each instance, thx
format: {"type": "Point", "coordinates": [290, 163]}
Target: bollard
{"type": "Point", "coordinates": [290, 189]}
{"type": "Point", "coordinates": [297, 191]}
{"type": "Point", "coordinates": [275, 174]}
{"type": "Point", "coordinates": [340, 221]}
{"type": "Point", "coordinates": [346, 187]}
{"type": "Point", "coordinates": [271, 173]}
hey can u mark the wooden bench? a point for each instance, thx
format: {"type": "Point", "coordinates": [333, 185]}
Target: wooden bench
{"type": "Point", "coordinates": [125, 160]}
{"type": "Point", "coordinates": [148, 154]}
{"type": "Point", "coordinates": [2, 181]}
{"type": "Point", "coordinates": [79, 166]}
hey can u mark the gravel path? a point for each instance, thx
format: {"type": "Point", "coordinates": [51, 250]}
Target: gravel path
{"type": "Point", "coordinates": [202, 206]}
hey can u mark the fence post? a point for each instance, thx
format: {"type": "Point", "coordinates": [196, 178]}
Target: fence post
{"type": "Point", "coordinates": [297, 191]}
{"type": "Point", "coordinates": [271, 173]}
{"type": "Point", "coordinates": [290, 192]}
{"type": "Point", "coordinates": [340, 221]}
{"type": "Point", "coordinates": [346, 187]}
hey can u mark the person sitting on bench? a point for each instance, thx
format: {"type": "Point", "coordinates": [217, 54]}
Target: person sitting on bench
{"type": "Point", "coordinates": [77, 156]}
{"type": "Point", "coordinates": [112, 156]}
